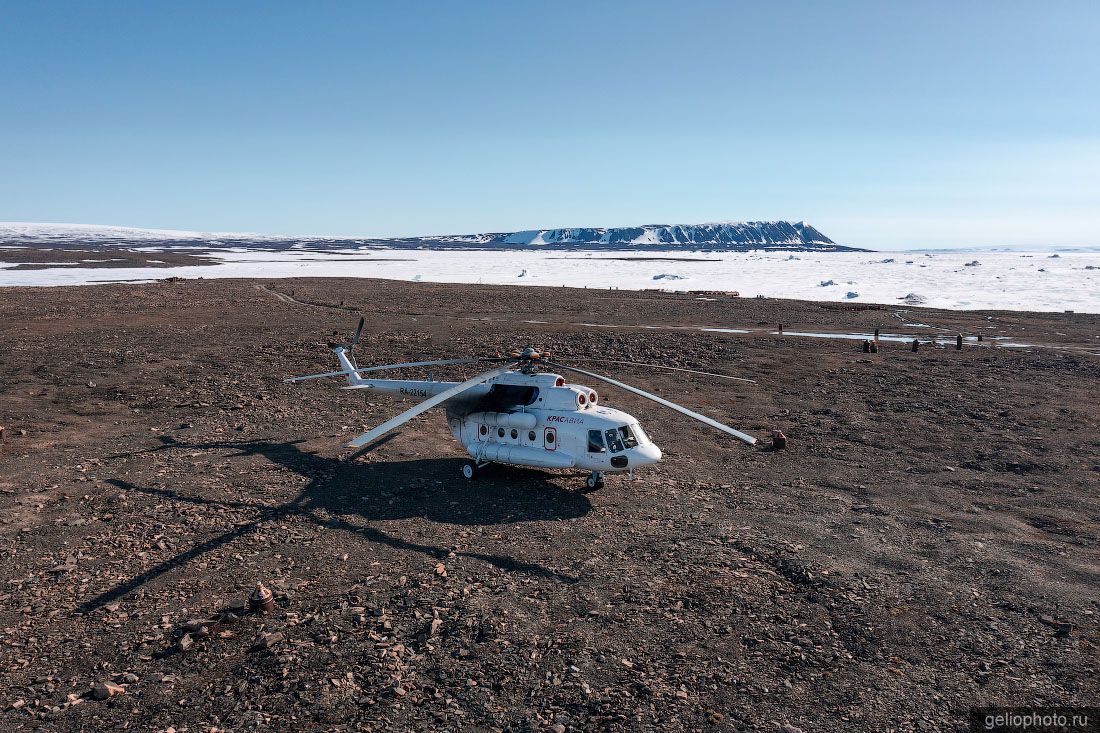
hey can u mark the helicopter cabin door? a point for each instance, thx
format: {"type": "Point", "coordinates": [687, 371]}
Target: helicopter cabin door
{"type": "Point", "coordinates": [550, 438]}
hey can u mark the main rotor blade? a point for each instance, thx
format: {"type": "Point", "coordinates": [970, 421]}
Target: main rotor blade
{"type": "Point", "coordinates": [661, 401]}
{"type": "Point", "coordinates": [405, 365]}
{"type": "Point", "coordinates": [424, 406]}
{"type": "Point", "coordinates": [662, 366]}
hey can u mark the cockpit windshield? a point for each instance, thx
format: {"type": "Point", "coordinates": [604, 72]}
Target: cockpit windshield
{"type": "Point", "coordinates": [620, 439]}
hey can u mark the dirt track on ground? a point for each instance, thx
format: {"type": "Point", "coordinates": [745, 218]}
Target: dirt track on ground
{"type": "Point", "coordinates": [927, 543]}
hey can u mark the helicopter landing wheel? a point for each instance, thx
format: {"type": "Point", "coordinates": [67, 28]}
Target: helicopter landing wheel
{"type": "Point", "coordinates": [595, 481]}
{"type": "Point", "coordinates": [469, 470]}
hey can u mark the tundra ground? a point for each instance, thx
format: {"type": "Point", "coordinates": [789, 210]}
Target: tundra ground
{"type": "Point", "coordinates": [928, 542]}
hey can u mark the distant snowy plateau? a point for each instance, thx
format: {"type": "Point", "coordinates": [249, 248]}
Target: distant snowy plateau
{"type": "Point", "coordinates": [722, 235]}
{"type": "Point", "coordinates": [771, 259]}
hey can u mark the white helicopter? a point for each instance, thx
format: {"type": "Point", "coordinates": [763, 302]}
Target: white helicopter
{"type": "Point", "coordinates": [520, 415]}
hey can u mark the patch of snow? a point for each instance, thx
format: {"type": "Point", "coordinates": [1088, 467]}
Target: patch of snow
{"type": "Point", "coordinates": [1071, 283]}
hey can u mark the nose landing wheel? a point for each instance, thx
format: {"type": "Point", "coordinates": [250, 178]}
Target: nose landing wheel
{"type": "Point", "coordinates": [594, 482]}
{"type": "Point", "coordinates": [469, 470]}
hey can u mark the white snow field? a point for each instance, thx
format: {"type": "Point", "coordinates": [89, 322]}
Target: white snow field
{"type": "Point", "coordinates": [1035, 281]}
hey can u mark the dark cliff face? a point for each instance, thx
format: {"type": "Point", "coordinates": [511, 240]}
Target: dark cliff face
{"type": "Point", "coordinates": [724, 234]}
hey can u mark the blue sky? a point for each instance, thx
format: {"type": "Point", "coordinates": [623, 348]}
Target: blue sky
{"type": "Point", "coordinates": [883, 124]}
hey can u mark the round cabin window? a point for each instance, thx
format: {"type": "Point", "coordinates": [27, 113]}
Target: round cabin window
{"type": "Point", "coordinates": [531, 435]}
{"type": "Point", "coordinates": [515, 433]}
{"type": "Point", "coordinates": [550, 438]}
{"type": "Point", "coordinates": [500, 432]}
{"type": "Point", "coordinates": [483, 430]}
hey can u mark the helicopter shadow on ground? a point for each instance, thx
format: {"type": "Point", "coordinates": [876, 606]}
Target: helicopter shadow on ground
{"type": "Point", "coordinates": [339, 493]}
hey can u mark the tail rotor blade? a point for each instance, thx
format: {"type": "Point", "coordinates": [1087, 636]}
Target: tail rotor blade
{"type": "Point", "coordinates": [358, 333]}
{"type": "Point", "coordinates": [355, 340]}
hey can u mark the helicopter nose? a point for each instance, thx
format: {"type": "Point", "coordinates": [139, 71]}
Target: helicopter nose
{"type": "Point", "coordinates": [646, 454]}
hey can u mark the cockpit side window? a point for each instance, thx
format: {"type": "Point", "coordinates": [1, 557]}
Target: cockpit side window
{"type": "Point", "coordinates": [640, 434]}
{"type": "Point", "coordinates": [595, 442]}
{"type": "Point", "coordinates": [628, 437]}
{"type": "Point", "coordinates": [614, 442]}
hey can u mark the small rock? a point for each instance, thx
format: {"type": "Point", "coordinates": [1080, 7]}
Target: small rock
{"type": "Point", "coordinates": [269, 640]}
{"type": "Point", "coordinates": [104, 690]}
{"type": "Point", "coordinates": [200, 627]}
{"type": "Point", "coordinates": [185, 642]}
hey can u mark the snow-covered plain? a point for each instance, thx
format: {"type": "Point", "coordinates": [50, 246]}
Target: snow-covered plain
{"type": "Point", "coordinates": [1035, 281]}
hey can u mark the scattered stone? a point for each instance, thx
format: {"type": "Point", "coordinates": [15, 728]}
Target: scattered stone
{"type": "Point", "coordinates": [267, 641]}
{"type": "Point", "coordinates": [199, 627]}
{"type": "Point", "coordinates": [104, 690]}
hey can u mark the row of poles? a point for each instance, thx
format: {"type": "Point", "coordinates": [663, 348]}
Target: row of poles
{"type": "Point", "coordinates": [871, 346]}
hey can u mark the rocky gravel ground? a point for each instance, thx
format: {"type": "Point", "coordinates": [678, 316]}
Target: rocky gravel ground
{"type": "Point", "coordinates": [926, 543]}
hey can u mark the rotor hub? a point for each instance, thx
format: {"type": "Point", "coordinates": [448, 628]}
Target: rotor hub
{"type": "Point", "coordinates": [528, 354]}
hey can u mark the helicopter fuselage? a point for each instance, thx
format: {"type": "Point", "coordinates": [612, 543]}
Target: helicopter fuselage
{"type": "Point", "coordinates": [535, 419]}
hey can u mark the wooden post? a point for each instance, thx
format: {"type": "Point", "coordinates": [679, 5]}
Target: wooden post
{"type": "Point", "coordinates": [780, 329]}
{"type": "Point", "coordinates": [876, 335]}
{"type": "Point", "coordinates": [866, 346]}
{"type": "Point", "coordinates": [916, 345]}
{"type": "Point", "coordinates": [959, 342]}
{"type": "Point", "coordinates": [979, 337]}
